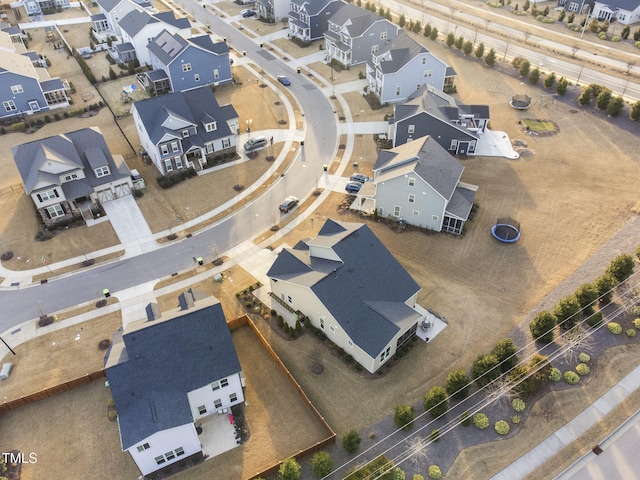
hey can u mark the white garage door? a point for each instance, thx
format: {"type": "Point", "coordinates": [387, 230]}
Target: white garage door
{"type": "Point", "coordinates": [122, 190]}
{"type": "Point", "coordinates": [105, 195]}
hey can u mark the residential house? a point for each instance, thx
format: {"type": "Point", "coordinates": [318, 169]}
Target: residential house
{"type": "Point", "coordinates": [24, 88]}
{"type": "Point", "coordinates": [66, 175]}
{"type": "Point", "coordinates": [273, 10]}
{"type": "Point", "coordinates": [352, 289]}
{"type": "Point", "coordinates": [456, 127]}
{"type": "Point", "coordinates": [40, 7]}
{"type": "Point", "coordinates": [309, 19]}
{"type": "Point", "coordinates": [181, 129]}
{"type": "Point", "coordinates": [419, 183]}
{"type": "Point", "coordinates": [115, 10]}
{"type": "Point", "coordinates": [188, 63]}
{"type": "Point", "coordinates": [354, 34]}
{"type": "Point", "coordinates": [402, 66]}
{"type": "Point", "coordinates": [625, 12]}
{"type": "Point", "coordinates": [576, 6]}
{"type": "Point", "coordinates": [166, 373]}
{"type": "Point", "coordinates": [140, 27]}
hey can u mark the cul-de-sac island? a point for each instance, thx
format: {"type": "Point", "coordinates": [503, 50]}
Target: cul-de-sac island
{"type": "Point", "coordinates": [283, 239]}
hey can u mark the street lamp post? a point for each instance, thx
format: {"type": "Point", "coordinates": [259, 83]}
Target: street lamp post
{"type": "Point", "coordinates": [249, 122]}
{"type": "Point", "coordinates": [586, 21]}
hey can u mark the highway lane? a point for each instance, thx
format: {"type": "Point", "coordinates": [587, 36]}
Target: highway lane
{"type": "Point", "coordinates": [300, 180]}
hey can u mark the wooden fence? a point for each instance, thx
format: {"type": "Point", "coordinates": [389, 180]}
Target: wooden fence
{"type": "Point", "coordinates": [11, 189]}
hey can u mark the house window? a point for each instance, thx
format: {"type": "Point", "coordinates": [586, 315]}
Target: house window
{"type": "Point", "coordinates": [216, 74]}
{"type": "Point", "coordinates": [374, 48]}
{"type": "Point", "coordinates": [424, 60]}
{"type": "Point", "coordinates": [202, 409]}
{"type": "Point", "coordinates": [217, 403]}
{"type": "Point", "coordinates": [412, 181]}
{"type": "Point", "coordinates": [71, 177]}
{"type": "Point", "coordinates": [289, 299]}
{"type": "Point", "coordinates": [233, 397]}
{"type": "Point", "coordinates": [428, 73]}
{"type": "Point", "coordinates": [178, 161]}
{"type": "Point", "coordinates": [383, 35]}
{"type": "Point", "coordinates": [215, 386]}
{"type": "Point", "coordinates": [55, 211]}
{"type": "Point", "coordinates": [209, 148]}
{"type": "Point", "coordinates": [164, 149]}
{"type": "Point", "coordinates": [34, 105]}
{"type": "Point", "coordinates": [160, 460]}
{"type": "Point", "coordinates": [411, 129]}
{"type": "Point", "coordinates": [196, 77]}
{"type": "Point", "coordinates": [397, 90]}
{"type": "Point", "coordinates": [15, 89]}
{"type": "Point", "coordinates": [454, 144]}
{"type": "Point", "coordinates": [416, 213]}
{"type": "Point", "coordinates": [322, 323]}
{"type": "Point", "coordinates": [179, 451]}
{"type": "Point", "coordinates": [396, 211]}
{"type": "Point", "coordinates": [210, 127]}
{"type": "Point", "coordinates": [48, 195]}
{"type": "Point", "coordinates": [168, 166]}
{"type": "Point", "coordinates": [143, 447]}
{"type": "Point", "coordinates": [102, 171]}
{"type": "Point", "coordinates": [9, 106]}
{"type": "Point", "coordinates": [332, 328]}
{"type": "Point", "coordinates": [186, 67]}
{"type": "Point", "coordinates": [385, 354]}
{"type": "Point", "coordinates": [435, 218]}
{"type": "Point", "coordinates": [174, 145]}
{"type": "Point", "coordinates": [226, 143]}
{"type": "Point", "coordinates": [185, 133]}
{"type": "Point", "coordinates": [170, 455]}
{"type": "Point", "coordinates": [224, 382]}
{"type": "Point", "coordinates": [412, 198]}
{"type": "Point", "coordinates": [350, 343]}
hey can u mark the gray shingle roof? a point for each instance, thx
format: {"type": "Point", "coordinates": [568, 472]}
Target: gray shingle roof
{"type": "Point", "coordinates": [365, 292]}
{"type": "Point", "coordinates": [51, 85]}
{"type": "Point", "coordinates": [462, 201]}
{"type": "Point", "coordinates": [401, 51]}
{"type": "Point", "coordinates": [166, 46]}
{"type": "Point", "coordinates": [134, 21]}
{"type": "Point", "coordinates": [312, 7]}
{"type": "Point", "coordinates": [154, 364]}
{"type": "Point", "coordinates": [359, 19]}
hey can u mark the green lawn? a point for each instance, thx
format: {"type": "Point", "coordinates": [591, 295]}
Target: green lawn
{"type": "Point", "coordinates": [538, 125]}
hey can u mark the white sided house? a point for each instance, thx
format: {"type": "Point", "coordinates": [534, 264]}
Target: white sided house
{"type": "Point", "coordinates": [352, 289]}
{"type": "Point", "coordinates": [166, 373]}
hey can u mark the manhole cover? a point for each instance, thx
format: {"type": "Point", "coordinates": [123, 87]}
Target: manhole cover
{"type": "Point", "coordinates": [573, 110]}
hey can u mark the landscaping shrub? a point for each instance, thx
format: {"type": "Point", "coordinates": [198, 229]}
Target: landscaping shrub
{"type": "Point", "coordinates": [515, 419]}
{"type": "Point", "coordinates": [542, 326]}
{"type": "Point", "coordinates": [621, 267]}
{"type": "Point", "coordinates": [481, 421]}
{"type": "Point", "coordinates": [518, 404]}
{"type": "Point", "coordinates": [636, 322]}
{"type": "Point", "coordinates": [584, 357]}
{"type": "Point", "coordinates": [465, 418]}
{"type": "Point", "coordinates": [290, 469]}
{"type": "Point", "coordinates": [435, 472]}
{"type": "Point", "coordinates": [614, 328]}
{"type": "Point", "coordinates": [501, 427]}
{"type": "Point", "coordinates": [566, 312]}
{"type": "Point", "coordinates": [595, 319]}
{"type": "Point", "coordinates": [485, 369]}
{"type": "Point", "coordinates": [631, 332]}
{"type": "Point", "coordinates": [458, 383]}
{"type": "Point", "coordinates": [417, 476]}
{"type": "Point", "coordinates": [404, 416]}
{"type": "Point", "coordinates": [371, 469]}
{"type": "Point", "coordinates": [583, 369]}
{"type": "Point", "coordinates": [571, 378]}
{"type": "Point", "coordinates": [322, 464]}
{"type": "Point", "coordinates": [18, 127]}
{"type": "Point", "coordinates": [351, 441]}
{"type": "Point", "coordinates": [506, 353]}
{"type": "Point", "coordinates": [434, 436]}
{"type": "Point", "coordinates": [436, 402]}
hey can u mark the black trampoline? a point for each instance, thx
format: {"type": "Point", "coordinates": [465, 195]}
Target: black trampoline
{"type": "Point", "coordinates": [506, 230]}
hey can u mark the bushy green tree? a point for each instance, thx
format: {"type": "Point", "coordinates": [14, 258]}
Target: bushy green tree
{"type": "Point", "coordinates": [467, 48]}
{"type": "Point", "coordinates": [434, 34]}
{"type": "Point", "coordinates": [290, 469]}
{"type": "Point", "coordinates": [417, 27]}
{"type": "Point", "coordinates": [616, 105]}
{"type": "Point", "coordinates": [507, 354]}
{"type": "Point", "coordinates": [523, 70]}
{"type": "Point", "coordinates": [402, 20]}
{"type": "Point", "coordinates": [534, 76]}
{"type": "Point", "coordinates": [485, 369]}
{"type": "Point", "coordinates": [605, 285]}
{"type": "Point", "coordinates": [451, 39]}
{"type": "Point", "coordinates": [542, 326]}
{"type": "Point", "coordinates": [351, 441]}
{"type": "Point", "coordinates": [404, 416]}
{"type": "Point", "coordinates": [112, 74]}
{"type": "Point", "coordinates": [561, 16]}
{"type": "Point", "coordinates": [381, 467]}
{"type": "Point", "coordinates": [566, 312]}
{"type": "Point", "coordinates": [603, 99]}
{"type": "Point", "coordinates": [621, 267]}
{"type": "Point", "coordinates": [587, 294]}
{"type": "Point", "coordinates": [458, 383]}
{"type": "Point", "coordinates": [549, 80]}
{"type": "Point", "coordinates": [436, 402]}
{"type": "Point", "coordinates": [561, 86]}
{"type": "Point", "coordinates": [427, 30]}
{"type": "Point", "coordinates": [526, 5]}
{"type": "Point", "coordinates": [479, 53]}
{"type": "Point", "coordinates": [585, 97]}
{"type": "Point", "coordinates": [322, 464]}
{"type": "Point", "coordinates": [459, 42]}
{"type": "Point", "coordinates": [634, 111]}
{"type": "Point", "coordinates": [490, 59]}
{"type": "Point", "coordinates": [626, 31]}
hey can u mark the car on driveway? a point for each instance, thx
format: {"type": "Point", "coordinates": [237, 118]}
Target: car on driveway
{"type": "Point", "coordinates": [283, 79]}
{"type": "Point", "coordinates": [288, 204]}
{"type": "Point", "coordinates": [246, 13]}
{"type": "Point", "coordinates": [359, 177]}
{"type": "Point", "coordinates": [353, 187]}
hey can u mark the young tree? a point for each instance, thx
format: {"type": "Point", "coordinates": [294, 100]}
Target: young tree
{"type": "Point", "coordinates": [479, 53]}
{"type": "Point", "coordinates": [402, 20]}
{"type": "Point", "coordinates": [351, 441]}
{"type": "Point", "coordinates": [561, 86]}
{"type": "Point", "coordinates": [603, 99]}
{"type": "Point", "coordinates": [585, 97]}
{"type": "Point", "coordinates": [322, 464]}
{"type": "Point", "coordinates": [451, 39]}
{"type": "Point", "coordinates": [626, 31]}
{"type": "Point", "coordinates": [458, 383]}
{"type": "Point", "coordinates": [571, 18]}
{"type": "Point", "coordinates": [605, 285]}
{"type": "Point", "coordinates": [436, 402]}
{"type": "Point", "coordinates": [459, 43]}
{"type": "Point", "coordinates": [485, 369]}
{"type": "Point", "coordinates": [467, 48]}
{"type": "Point", "coordinates": [621, 267]}
{"type": "Point", "coordinates": [490, 59]}
{"type": "Point", "coordinates": [427, 30]}
{"type": "Point", "coordinates": [403, 416]}
{"type": "Point", "coordinates": [526, 5]}
{"type": "Point", "coordinates": [523, 70]}
{"type": "Point", "coordinates": [615, 106]}
{"type": "Point", "coordinates": [112, 74]}
{"type": "Point", "coordinates": [507, 354]}
{"type": "Point", "coordinates": [434, 34]}
{"type": "Point", "coordinates": [567, 312]}
{"type": "Point", "coordinates": [561, 16]}
{"type": "Point", "coordinates": [534, 76]}
{"type": "Point", "coordinates": [634, 112]}
{"type": "Point", "coordinates": [417, 27]}
{"type": "Point", "coordinates": [549, 80]}
{"type": "Point", "coordinates": [545, 12]}
{"type": "Point", "coordinates": [290, 469]}
{"type": "Point", "coordinates": [542, 326]}
{"type": "Point", "coordinates": [587, 294]}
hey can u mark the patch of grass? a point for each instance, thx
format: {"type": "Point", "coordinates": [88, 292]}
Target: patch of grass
{"type": "Point", "coordinates": [538, 125]}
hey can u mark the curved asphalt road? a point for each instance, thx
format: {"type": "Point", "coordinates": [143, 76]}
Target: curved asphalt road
{"type": "Point", "coordinates": [17, 306]}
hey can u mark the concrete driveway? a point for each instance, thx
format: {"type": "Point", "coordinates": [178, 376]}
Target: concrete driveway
{"type": "Point", "coordinates": [129, 223]}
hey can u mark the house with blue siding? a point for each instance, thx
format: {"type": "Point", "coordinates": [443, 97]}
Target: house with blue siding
{"type": "Point", "coordinates": [24, 88]}
{"type": "Point", "coordinates": [170, 371]}
{"type": "Point", "coordinates": [420, 183]}
{"type": "Point", "coordinates": [402, 66]}
{"type": "Point", "coordinates": [309, 19]}
{"type": "Point", "coordinates": [140, 27]}
{"type": "Point", "coordinates": [182, 130]}
{"type": "Point", "coordinates": [189, 63]}
{"type": "Point", "coordinates": [115, 10]}
{"type": "Point", "coordinates": [40, 7]}
{"type": "Point", "coordinates": [455, 126]}
{"type": "Point", "coordinates": [625, 12]}
{"type": "Point", "coordinates": [354, 34]}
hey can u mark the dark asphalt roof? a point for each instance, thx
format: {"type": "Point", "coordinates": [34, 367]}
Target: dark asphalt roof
{"type": "Point", "coordinates": [461, 201]}
{"type": "Point", "coordinates": [398, 52]}
{"type": "Point", "coordinates": [358, 19]}
{"type": "Point", "coordinates": [365, 291]}
{"type": "Point", "coordinates": [154, 364]}
{"type": "Point", "coordinates": [167, 46]}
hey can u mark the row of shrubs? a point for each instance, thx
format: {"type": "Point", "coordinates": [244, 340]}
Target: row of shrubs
{"type": "Point", "coordinates": [168, 181]}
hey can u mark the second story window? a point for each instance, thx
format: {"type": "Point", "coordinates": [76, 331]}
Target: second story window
{"type": "Point", "coordinates": [383, 35]}
{"type": "Point", "coordinates": [186, 67]}
{"type": "Point", "coordinates": [15, 89]}
{"type": "Point", "coordinates": [102, 171]}
{"type": "Point", "coordinates": [174, 146]}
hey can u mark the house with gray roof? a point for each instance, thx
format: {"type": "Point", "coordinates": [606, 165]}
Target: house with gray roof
{"type": "Point", "coordinates": [140, 27]}
{"type": "Point", "coordinates": [273, 10]}
{"type": "Point", "coordinates": [167, 373]}
{"type": "Point", "coordinates": [455, 126]}
{"type": "Point", "coordinates": [309, 19]}
{"type": "Point", "coordinates": [188, 63]}
{"type": "Point", "coordinates": [43, 7]}
{"type": "Point", "coordinates": [181, 130]}
{"type": "Point", "coordinates": [420, 183]}
{"type": "Point", "coordinates": [403, 66]}
{"type": "Point", "coordinates": [626, 12]}
{"type": "Point", "coordinates": [354, 34]}
{"type": "Point", "coordinates": [66, 175]}
{"type": "Point", "coordinates": [115, 10]}
{"type": "Point", "coordinates": [352, 289]}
